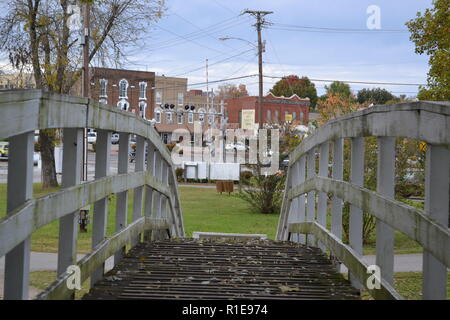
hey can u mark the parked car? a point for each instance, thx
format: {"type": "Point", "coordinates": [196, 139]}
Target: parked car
{"type": "Point", "coordinates": [115, 138]}
{"type": "Point", "coordinates": [36, 158]}
{"type": "Point", "coordinates": [235, 146]}
{"type": "Point", "coordinates": [4, 145]}
{"type": "Point", "coordinates": [92, 137]}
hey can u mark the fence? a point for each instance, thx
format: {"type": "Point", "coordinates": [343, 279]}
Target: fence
{"type": "Point", "coordinates": [156, 205]}
{"type": "Point", "coordinates": [307, 188]}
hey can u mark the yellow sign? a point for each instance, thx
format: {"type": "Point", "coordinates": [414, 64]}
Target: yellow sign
{"type": "Point", "coordinates": [288, 117]}
{"type": "Point", "coordinates": [248, 119]}
{"type": "Point", "coordinates": [423, 146]}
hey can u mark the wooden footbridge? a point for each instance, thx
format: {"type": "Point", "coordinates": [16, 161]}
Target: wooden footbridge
{"type": "Point", "coordinates": [152, 257]}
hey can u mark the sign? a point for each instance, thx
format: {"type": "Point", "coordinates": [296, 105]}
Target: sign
{"type": "Point", "coordinates": [423, 146]}
{"type": "Point", "coordinates": [288, 117]}
{"type": "Point", "coordinates": [248, 119]}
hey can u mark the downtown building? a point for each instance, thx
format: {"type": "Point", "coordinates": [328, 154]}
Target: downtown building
{"type": "Point", "coordinates": [275, 110]}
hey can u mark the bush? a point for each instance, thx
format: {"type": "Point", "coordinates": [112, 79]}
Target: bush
{"type": "Point", "coordinates": [264, 193]}
{"type": "Point", "coordinates": [179, 172]}
{"type": "Point", "coordinates": [245, 177]}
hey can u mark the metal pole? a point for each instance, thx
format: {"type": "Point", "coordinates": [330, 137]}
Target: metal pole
{"type": "Point", "coordinates": [259, 23]}
{"type": "Point", "coordinates": [86, 81]}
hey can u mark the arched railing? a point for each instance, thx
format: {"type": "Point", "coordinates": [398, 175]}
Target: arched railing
{"type": "Point", "coordinates": [156, 205]}
{"type": "Point", "coordinates": [304, 211]}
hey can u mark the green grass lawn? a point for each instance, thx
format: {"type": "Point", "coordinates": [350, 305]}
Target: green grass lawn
{"type": "Point", "coordinates": [207, 210]}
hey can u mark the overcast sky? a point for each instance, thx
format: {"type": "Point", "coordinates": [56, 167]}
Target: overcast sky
{"type": "Point", "coordinates": [189, 33]}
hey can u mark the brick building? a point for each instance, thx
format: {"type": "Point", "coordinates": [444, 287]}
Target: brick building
{"type": "Point", "coordinates": [274, 109]}
{"type": "Point", "coordinates": [129, 90]}
{"type": "Point", "coordinates": [193, 105]}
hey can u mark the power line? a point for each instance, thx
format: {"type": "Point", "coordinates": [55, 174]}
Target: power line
{"type": "Point", "coordinates": [220, 61]}
{"type": "Point", "coordinates": [361, 82]}
{"type": "Point", "coordinates": [333, 30]}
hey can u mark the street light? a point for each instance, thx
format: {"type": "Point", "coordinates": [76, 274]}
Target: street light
{"type": "Point", "coordinates": [235, 38]}
{"type": "Point", "coordinates": [261, 48]}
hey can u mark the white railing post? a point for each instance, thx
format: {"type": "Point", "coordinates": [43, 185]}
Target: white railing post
{"type": "Point", "coordinates": [293, 210]}
{"type": "Point", "coordinates": [20, 189]}
{"type": "Point", "coordinates": [139, 165]}
{"type": "Point", "coordinates": [311, 204]}
{"type": "Point", "coordinates": [356, 214]}
{"type": "Point", "coordinates": [163, 199]}
{"type": "Point", "coordinates": [437, 206]}
{"type": "Point", "coordinates": [337, 174]}
{"type": "Point", "coordinates": [322, 203]}
{"type": "Point", "coordinates": [122, 197]}
{"type": "Point", "coordinates": [302, 198]}
{"type": "Point", "coordinates": [152, 197]}
{"type": "Point", "coordinates": [385, 187]}
{"type": "Point", "coordinates": [71, 175]}
{"type": "Point", "coordinates": [102, 161]}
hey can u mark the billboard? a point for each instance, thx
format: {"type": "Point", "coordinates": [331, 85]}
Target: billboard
{"type": "Point", "coordinates": [248, 119]}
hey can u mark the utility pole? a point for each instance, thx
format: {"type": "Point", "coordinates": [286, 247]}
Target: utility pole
{"type": "Point", "coordinates": [259, 15]}
{"type": "Point", "coordinates": [86, 80]}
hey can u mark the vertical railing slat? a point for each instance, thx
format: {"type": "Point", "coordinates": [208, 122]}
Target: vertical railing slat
{"type": "Point", "coordinates": [311, 203]}
{"type": "Point", "coordinates": [356, 214]}
{"type": "Point", "coordinates": [102, 161]}
{"type": "Point", "coordinates": [337, 174]}
{"type": "Point", "coordinates": [322, 204]}
{"type": "Point", "coordinates": [302, 198]}
{"type": "Point", "coordinates": [122, 197]}
{"type": "Point", "coordinates": [139, 165]}
{"type": "Point", "coordinates": [385, 187]}
{"type": "Point", "coordinates": [293, 210]}
{"type": "Point", "coordinates": [71, 175]}
{"type": "Point", "coordinates": [437, 206]}
{"type": "Point", "coordinates": [19, 190]}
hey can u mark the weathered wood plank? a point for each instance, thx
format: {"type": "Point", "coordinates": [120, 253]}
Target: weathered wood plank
{"type": "Point", "coordinates": [347, 256]}
{"type": "Point", "coordinates": [411, 221]}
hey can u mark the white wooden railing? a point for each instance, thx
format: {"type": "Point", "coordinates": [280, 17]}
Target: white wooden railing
{"type": "Point", "coordinates": [156, 205]}
{"type": "Point", "coordinates": [305, 221]}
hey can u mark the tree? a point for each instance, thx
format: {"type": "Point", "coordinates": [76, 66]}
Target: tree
{"type": "Point", "coordinates": [334, 106]}
{"type": "Point", "coordinates": [429, 32]}
{"type": "Point", "coordinates": [375, 96]}
{"type": "Point", "coordinates": [292, 84]}
{"type": "Point", "coordinates": [36, 34]}
{"type": "Point", "coordinates": [339, 88]}
{"type": "Point", "coordinates": [229, 90]}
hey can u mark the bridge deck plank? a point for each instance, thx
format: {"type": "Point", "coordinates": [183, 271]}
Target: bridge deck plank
{"type": "Point", "coordinates": [205, 269]}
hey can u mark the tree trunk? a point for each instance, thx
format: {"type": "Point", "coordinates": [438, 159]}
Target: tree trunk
{"type": "Point", "coordinates": [47, 144]}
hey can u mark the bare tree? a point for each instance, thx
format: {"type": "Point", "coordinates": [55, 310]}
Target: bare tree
{"type": "Point", "coordinates": [36, 34]}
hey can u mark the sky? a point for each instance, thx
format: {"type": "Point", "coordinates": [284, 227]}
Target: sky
{"type": "Point", "coordinates": [188, 34]}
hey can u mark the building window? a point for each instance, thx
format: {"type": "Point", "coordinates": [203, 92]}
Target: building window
{"type": "Point", "coordinates": [276, 116]}
{"type": "Point", "coordinates": [123, 105]}
{"type": "Point", "coordinates": [158, 115]}
{"type": "Point", "coordinates": [211, 116]}
{"type": "Point", "coordinates": [123, 87]}
{"type": "Point", "coordinates": [294, 116]}
{"type": "Point", "coordinates": [169, 117]}
{"type": "Point", "coordinates": [103, 84]}
{"type": "Point", "coordinates": [142, 90]}
{"type": "Point", "coordinates": [180, 98]}
{"type": "Point", "coordinates": [191, 117]}
{"type": "Point", "coordinates": [158, 97]}
{"type": "Point", "coordinates": [180, 117]}
{"type": "Point", "coordinates": [142, 107]}
{"type": "Point", "coordinates": [269, 115]}
{"type": "Point", "coordinates": [301, 117]}
{"type": "Point", "coordinates": [201, 115]}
